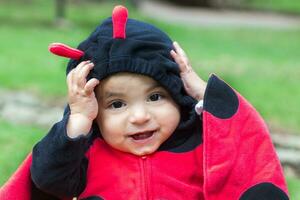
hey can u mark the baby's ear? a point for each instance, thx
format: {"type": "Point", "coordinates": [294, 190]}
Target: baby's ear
{"type": "Point", "coordinates": [65, 51]}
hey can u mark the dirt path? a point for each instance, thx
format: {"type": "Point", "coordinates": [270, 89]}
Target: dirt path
{"type": "Point", "coordinates": [20, 107]}
{"type": "Point", "coordinates": [214, 18]}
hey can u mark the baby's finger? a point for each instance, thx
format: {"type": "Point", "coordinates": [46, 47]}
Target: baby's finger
{"type": "Point", "coordinates": [181, 53]}
{"type": "Point", "coordinates": [71, 83]}
{"type": "Point", "coordinates": [178, 49]}
{"type": "Point", "coordinates": [85, 70]}
{"type": "Point", "coordinates": [90, 86]}
{"type": "Point", "coordinates": [181, 63]}
{"type": "Point", "coordinates": [80, 66]}
{"type": "Point", "coordinates": [81, 73]}
{"type": "Point", "coordinates": [70, 78]}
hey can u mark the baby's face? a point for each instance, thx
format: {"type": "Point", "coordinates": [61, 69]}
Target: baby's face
{"type": "Point", "coordinates": [136, 115]}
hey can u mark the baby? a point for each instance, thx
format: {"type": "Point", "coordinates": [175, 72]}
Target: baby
{"type": "Point", "coordinates": [136, 127]}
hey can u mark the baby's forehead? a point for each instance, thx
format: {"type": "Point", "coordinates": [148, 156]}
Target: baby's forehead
{"type": "Point", "coordinates": [130, 78]}
{"type": "Point", "coordinates": [125, 82]}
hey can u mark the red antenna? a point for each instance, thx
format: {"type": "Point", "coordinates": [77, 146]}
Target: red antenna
{"type": "Point", "coordinates": [65, 51]}
{"type": "Point", "coordinates": [119, 17]}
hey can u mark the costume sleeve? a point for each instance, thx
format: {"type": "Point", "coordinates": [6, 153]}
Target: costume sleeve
{"type": "Point", "coordinates": [240, 161]}
{"type": "Point", "coordinates": [58, 162]}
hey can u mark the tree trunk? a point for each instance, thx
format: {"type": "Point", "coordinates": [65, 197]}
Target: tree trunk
{"type": "Point", "coordinates": [60, 10]}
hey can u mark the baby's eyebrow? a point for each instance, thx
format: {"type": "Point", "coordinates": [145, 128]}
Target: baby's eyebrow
{"type": "Point", "coordinates": [154, 86]}
{"type": "Point", "coordinates": [109, 94]}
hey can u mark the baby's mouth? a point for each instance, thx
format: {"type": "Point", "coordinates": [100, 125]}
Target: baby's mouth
{"type": "Point", "coordinates": [143, 135]}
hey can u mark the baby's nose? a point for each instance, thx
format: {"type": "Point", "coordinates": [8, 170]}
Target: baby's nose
{"type": "Point", "coordinates": [139, 115]}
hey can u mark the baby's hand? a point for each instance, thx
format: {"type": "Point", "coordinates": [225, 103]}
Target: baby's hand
{"type": "Point", "coordinates": [193, 84]}
{"type": "Point", "coordinates": [82, 100]}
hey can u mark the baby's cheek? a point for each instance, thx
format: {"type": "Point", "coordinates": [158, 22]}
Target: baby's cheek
{"type": "Point", "coordinates": [173, 117]}
{"type": "Point", "coordinates": [114, 131]}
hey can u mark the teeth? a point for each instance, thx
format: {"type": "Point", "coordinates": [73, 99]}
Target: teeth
{"type": "Point", "coordinates": [142, 136]}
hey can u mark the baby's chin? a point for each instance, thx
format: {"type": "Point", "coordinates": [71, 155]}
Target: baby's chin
{"type": "Point", "coordinates": [144, 151]}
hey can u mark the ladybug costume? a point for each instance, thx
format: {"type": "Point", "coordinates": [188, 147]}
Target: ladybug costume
{"type": "Point", "coordinates": [226, 153]}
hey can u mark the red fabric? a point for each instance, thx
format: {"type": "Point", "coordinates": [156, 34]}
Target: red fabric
{"type": "Point", "coordinates": [113, 174]}
{"type": "Point", "coordinates": [19, 185]}
{"type": "Point", "coordinates": [119, 18]}
{"type": "Point", "coordinates": [238, 153]}
{"type": "Point", "coordinates": [65, 51]}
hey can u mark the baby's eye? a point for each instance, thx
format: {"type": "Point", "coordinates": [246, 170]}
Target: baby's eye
{"type": "Point", "coordinates": [117, 104]}
{"type": "Point", "coordinates": [155, 97]}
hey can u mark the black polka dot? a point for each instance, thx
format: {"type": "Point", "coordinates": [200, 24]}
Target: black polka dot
{"type": "Point", "coordinates": [264, 191]}
{"type": "Point", "coordinates": [220, 100]}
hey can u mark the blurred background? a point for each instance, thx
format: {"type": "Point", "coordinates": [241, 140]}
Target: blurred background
{"type": "Point", "coordinates": [253, 45]}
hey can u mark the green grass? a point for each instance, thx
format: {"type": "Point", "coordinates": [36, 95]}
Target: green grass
{"type": "Point", "coordinates": [293, 186]}
{"type": "Point", "coordinates": [290, 6]}
{"type": "Point", "coordinates": [15, 142]}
